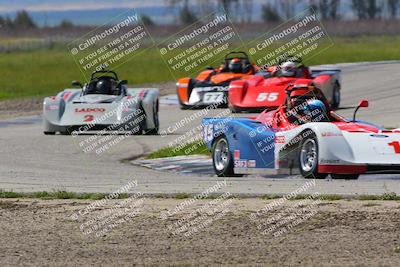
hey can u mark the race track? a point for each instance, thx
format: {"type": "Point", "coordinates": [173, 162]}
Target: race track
{"type": "Point", "coordinates": [30, 161]}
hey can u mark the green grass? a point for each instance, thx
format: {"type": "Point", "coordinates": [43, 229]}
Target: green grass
{"type": "Point", "coordinates": [10, 194]}
{"type": "Point", "coordinates": [61, 194]}
{"type": "Point", "coordinates": [197, 148]}
{"type": "Point", "coordinates": [45, 72]}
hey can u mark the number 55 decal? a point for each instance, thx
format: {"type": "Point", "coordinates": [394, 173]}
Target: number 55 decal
{"type": "Point", "coordinates": [270, 97]}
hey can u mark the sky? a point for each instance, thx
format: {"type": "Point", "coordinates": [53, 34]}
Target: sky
{"type": "Point", "coordinates": [7, 6]}
{"type": "Point", "coordinates": [52, 12]}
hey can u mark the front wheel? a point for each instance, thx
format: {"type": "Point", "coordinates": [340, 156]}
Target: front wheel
{"type": "Point", "coordinates": [184, 107]}
{"type": "Point", "coordinates": [222, 158]}
{"type": "Point", "coordinates": [308, 159]}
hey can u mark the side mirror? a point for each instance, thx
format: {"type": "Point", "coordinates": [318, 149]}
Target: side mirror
{"type": "Point", "coordinates": [362, 104]}
{"type": "Point", "coordinates": [76, 83]}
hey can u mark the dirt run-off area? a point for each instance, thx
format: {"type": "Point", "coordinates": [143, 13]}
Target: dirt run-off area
{"type": "Point", "coordinates": [206, 232]}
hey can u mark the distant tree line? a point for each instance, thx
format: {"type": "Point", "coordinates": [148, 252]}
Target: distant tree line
{"type": "Point", "coordinates": [190, 11]}
{"type": "Point", "coordinates": [23, 20]}
{"type": "Point", "coordinates": [278, 10]}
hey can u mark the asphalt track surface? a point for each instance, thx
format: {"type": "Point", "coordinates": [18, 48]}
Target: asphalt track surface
{"type": "Point", "coordinates": [31, 161]}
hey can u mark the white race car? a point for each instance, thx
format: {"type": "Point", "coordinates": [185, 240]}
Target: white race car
{"type": "Point", "coordinates": [278, 142]}
{"type": "Point", "coordinates": [104, 103]}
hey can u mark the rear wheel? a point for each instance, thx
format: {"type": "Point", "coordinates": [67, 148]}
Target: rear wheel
{"type": "Point", "coordinates": [233, 109]}
{"type": "Point", "coordinates": [222, 158]}
{"type": "Point", "coordinates": [308, 158]}
{"type": "Point", "coordinates": [345, 176]}
{"type": "Point", "coordinates": [138, 129]}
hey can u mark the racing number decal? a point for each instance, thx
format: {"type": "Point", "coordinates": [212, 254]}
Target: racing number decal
{"type": "Point", "coordinates": [396, 146]}
{"type": "Point", "coordinates": [208, 132]}
{"type": "Point", "coordinates": [213, 97]}
{"type": "Point", "coordinates": [270, 97]}
{"type": "Point", "coordinates": [88, 118]}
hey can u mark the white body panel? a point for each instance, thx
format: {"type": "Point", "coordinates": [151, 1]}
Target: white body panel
{"type": "Point", "coordinates": [337, 147]}
{"type": "Point", "coordinates": [70, 109]}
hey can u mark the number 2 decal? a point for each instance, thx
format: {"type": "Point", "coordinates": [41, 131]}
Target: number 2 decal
{"type": "Point", "coordinates": [270, 97]}
{"type": "Point", "coordinates": [88, 118]}
{"type": "Point", "coordinates": [396, 146]}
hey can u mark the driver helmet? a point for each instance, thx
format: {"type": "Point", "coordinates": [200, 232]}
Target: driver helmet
{"type": "Point", "coordinates": [314, 110]}
{"type": "Point", "coordinates": [235, 65]}
{"type": "Point", "coordinates": [288, 69]}
{"type": "Point", "coordinates": [104, 86]}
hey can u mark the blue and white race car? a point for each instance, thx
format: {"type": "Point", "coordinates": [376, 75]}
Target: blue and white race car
{"type": "Point", "coordinates": [303, 136]}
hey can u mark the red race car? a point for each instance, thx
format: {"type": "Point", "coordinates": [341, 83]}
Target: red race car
{"type": "Point", "coordinates": [266, 89]}
{"type": "Point", "coordinates": [210, 87]}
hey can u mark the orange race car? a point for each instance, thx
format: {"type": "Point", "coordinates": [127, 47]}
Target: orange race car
{"type": "Point", "coordinates": [211, 86]}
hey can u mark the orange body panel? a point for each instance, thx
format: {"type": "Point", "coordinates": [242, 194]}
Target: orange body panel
{"type": "Point", "coordinates": [182, 89]}
{"type": "Point", "coordinates": [204, 75]}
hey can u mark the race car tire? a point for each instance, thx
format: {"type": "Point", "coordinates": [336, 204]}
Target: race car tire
{"type": "Point", "coordinates": [308, 158]}
{"type": "Point", "coordinates": [233, 109]}
{"type": "Point", "coordinates": [141, 124]}
{"type": "Point", "coordinates": [345, 176]}
{"type": "Point", "coordinates": [184, 107]}
{"type": "Point", "coordinates": [154, 131]}
{"type": "Point", "coordinates": [67, 131]}
{"type": "Point", "coordinates": [336, 96]}
{"type": "Point", "coordinates": [222, 158]}
{"type": "Point", "coordinates": [49, 133]}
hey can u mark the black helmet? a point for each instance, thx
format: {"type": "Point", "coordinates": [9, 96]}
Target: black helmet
{"type": "Point", "coordinates": [104, 86]}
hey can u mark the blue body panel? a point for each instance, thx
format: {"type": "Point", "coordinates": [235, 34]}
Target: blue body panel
{"type": "Point", "coordinates": [251, 143]}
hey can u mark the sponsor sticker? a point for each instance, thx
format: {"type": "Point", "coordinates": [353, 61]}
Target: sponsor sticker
{"type": "Point", "coordinates": [53, 107]}
{"type": "Point", "coordinates": [89, 110]}
{"type": "Point", "coordinates": [236, 154]}
{"type": "Point", "coordinates": [280, 139]}
{"type": "Point", "coordinates": [330, 134]}
{"type": "Point", "coordinates": [240, 163]}
{"type": "Point", "coordinates": [251, 163]}
{"type": "Point", "coordinates": [330, 161]}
